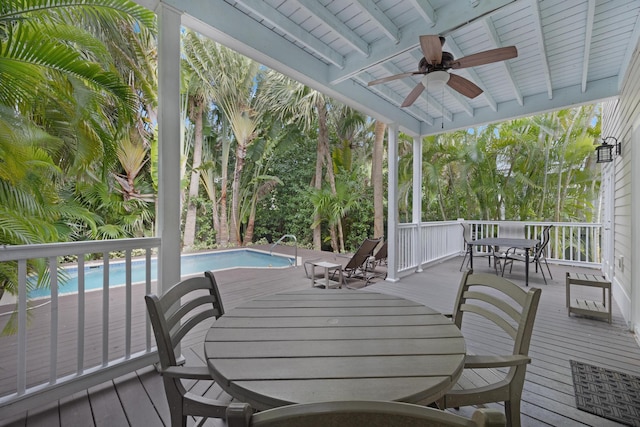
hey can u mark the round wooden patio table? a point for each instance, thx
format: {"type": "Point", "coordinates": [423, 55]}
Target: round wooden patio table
{"type": "Point", "coordinates": [313, 345]}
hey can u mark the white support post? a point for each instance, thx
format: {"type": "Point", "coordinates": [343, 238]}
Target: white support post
{"type": "Point", "coordinates": [392, 204]}
{"type": "Point", "coordinates": [416, 211]}
{"type": "Point", "coordinates": [168, 221]}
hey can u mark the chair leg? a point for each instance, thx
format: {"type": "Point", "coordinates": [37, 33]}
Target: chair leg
{"type": "Point", "coordinates": [548, 269]}
{"type": "Point", "coordinates": [464, 259]}
{"type": "Point", "coordinates": [512, 413]}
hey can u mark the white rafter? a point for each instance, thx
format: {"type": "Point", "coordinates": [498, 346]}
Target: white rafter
{"type": "Point", "coordinates": [493, 36]}
{"type": "Point", "coordinates": [544, 63]}
{"type": "Point", "coordinates": [329, 19]}
{"type": "Point", "coordinates": [425, 10]}
{"type": "Point", "coordinates": [284, 24]}
{"type": "Point", "coordinates": [591, 10]}
{"type": "Point", "coordinates": [381, 20]}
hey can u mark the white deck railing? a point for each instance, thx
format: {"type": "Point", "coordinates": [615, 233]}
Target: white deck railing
{"type": "Point", "coordinates": [92, 336]}
{"type": "Point", "coordinates": [570, 243]}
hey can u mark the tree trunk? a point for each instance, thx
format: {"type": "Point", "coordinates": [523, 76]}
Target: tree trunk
{"type": "Point", "coordinates": [323, 135]}
{"type": "Point", "coordinates": [188, 238]}
{"type": "Point", "coordinates": [320, 158]}
{"type": "Point", "coordinates": [376, 180]}
{"type": "Point", "coordinates": [224, 220]}
{"type": "Point", "coordinates": [248, 234]}
{"type": "Point", "coordinates": [241, 153]}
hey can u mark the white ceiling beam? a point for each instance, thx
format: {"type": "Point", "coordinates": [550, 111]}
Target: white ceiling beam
{"type": "Point", "coordinates": [425, 10]}
{"type": "Point", "coordinates": [452, 47]}
{"type": "Point", "coordinates": [381, 20]}
{"type": "Point", "coordinates": [493, 36]}
{"type": "Point", "coordinates": [451, 15]}
{"type": "Point", "coordinates": [544, 62]}
{"type": "Point", "coordinates": [567, 97]}
{"type": "Point", "coordinates": [284, 24]}
{"type": "Point", "coordinates": [329, 19]}
{"type": "Point", "coordinates": [591, 10]}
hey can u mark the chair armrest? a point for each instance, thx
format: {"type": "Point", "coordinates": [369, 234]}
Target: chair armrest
{"type": "Point", "coordinates": [191, 373]}
{"type": "Point", "coordinates": [473, 362]}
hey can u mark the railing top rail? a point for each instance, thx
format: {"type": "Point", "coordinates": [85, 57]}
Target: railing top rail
{"type": "Point", "coordinates": [18, 252]}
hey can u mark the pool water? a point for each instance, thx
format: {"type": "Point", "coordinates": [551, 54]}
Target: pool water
{"type": "Point", "coordinates": [190, 264]}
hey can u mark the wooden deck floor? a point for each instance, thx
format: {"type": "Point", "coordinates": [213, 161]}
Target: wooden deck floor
{"type": "Point", "coordinates": [138, 399]}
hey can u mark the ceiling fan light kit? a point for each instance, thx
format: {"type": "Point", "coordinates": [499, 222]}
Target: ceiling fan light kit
{"type": "Point", "coordinates": [436, 63]}
{"type": "Point", "coordinates": [436, 77]}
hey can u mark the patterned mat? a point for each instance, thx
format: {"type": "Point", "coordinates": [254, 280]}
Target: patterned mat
{"type": "Point", "coordinates": [606, 393]}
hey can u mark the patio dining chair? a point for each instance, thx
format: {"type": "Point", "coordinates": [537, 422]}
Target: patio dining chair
{"type": "Point", "coordinates": [499, 307]}
{"type": "Point", "coordinates": [536, 257]}
{"type": "Point", "coordinates": [357, 414]}
{"type": "Point", "coordinates": [183, 307]}
{"type": "Point", "coordinates": [466, 235]}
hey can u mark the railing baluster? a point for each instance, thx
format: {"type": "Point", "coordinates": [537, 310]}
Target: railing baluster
{"type": "Point", "coordinates": [22, 327]}
{"type": "Point", "coordinates": [53, 335]}
{"type": "Point", "coordinates": [147, 291]}
{"type": "Point", "coordinates": [127, 322]}
{"type": "Point", "coordinates": [105, 309]}
{"type": "Point", "coordinates": [81, 314]}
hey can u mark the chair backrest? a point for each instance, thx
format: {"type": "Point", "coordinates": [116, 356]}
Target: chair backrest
{"type": "Point", "coordinates": [382, 253]}
{"type": "Point", "coordinates": [511, 229]}
{"type": "Point", "coordinates": [358, 414]}
{"type": "Point", "coordinates": [507, 305]}
{"type": "Point", "coordinates": [466, 232]}
{"type": "Point", "coordinates": [544, 241]}
{"type": "Point", "coordinates": [179, 310]}
{"type": "Point", "coordinates": [363, 253]}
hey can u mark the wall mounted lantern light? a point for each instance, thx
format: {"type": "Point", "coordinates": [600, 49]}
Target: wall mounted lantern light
{"type": "Point", "coordinates": [604, 151]}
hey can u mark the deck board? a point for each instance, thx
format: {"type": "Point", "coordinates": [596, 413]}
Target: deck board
{"type": "Point", "coordinates": [548, 398]}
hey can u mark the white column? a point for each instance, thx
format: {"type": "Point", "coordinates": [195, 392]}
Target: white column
{"type": "Point", "coordinates": [416, 211]}
{"type": "Point", "coordinates": [392, 204]}
{"type": "Point", "coordinates": [168, 221]}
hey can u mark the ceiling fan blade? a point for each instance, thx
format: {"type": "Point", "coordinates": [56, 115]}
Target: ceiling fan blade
{"type": "Point", "coordinates": [464, 86]}
{"type": "Point", "coordinates": [486, 57]}
{"type": "Point", "coordinates": [432, 49]}
{"type": "Point", "coordinates": [413, 95]}
{"type": "Point", "coordinates": [394, 77]}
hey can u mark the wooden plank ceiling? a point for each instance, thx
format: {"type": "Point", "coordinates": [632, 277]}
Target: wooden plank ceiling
{"type": "Point", "coordinates": [570, 52]}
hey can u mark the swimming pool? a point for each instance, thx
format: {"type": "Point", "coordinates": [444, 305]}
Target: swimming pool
{"type": "Point", "coordinates": [189, 264]}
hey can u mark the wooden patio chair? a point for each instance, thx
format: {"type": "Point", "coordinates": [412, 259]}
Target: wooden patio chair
{"type": "Point", "coordinates": [357, 414]}
{"type": "Point", "coordinates": [536, 257]}
{"type": "Point", "coordinates": [357, 266]}
{"type": "Point", "coordinates": [486, 299]}
{"type": "Point", "coordinates": [178, 311]}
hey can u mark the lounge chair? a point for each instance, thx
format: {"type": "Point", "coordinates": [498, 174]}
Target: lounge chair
{"type": "Point", "coordinates": [358, 265]}
{"type": "Point", "coordinates": [378, 262]}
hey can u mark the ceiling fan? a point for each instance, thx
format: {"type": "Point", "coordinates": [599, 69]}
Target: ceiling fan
{"type": "Point", "coordinates": [435, 63]}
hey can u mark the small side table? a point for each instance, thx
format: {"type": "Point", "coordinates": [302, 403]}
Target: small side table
{"type": "Point", "coordinates": [585, 307]}
{"type": "Point", "coordinates": [326, 282]}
